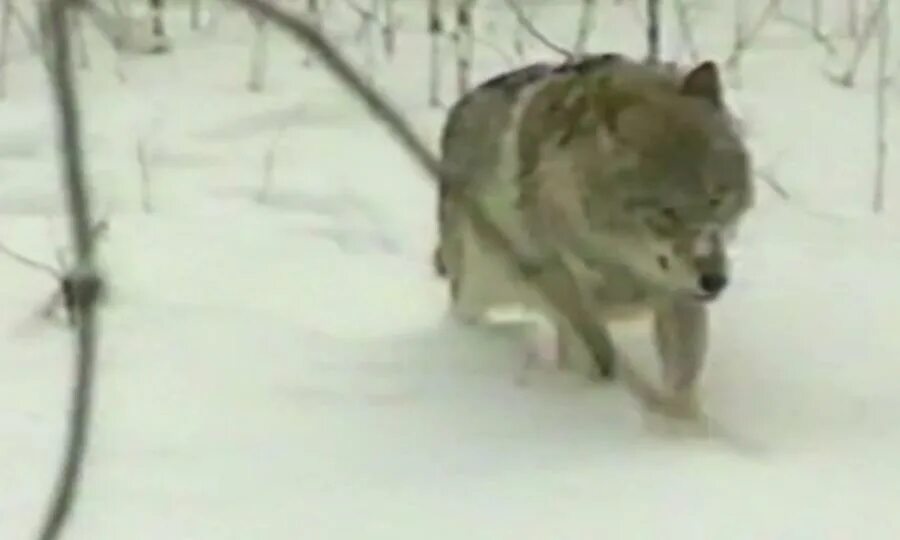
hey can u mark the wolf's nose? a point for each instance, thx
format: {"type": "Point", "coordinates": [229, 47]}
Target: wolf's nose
{"type": "Point", "coordinates": [713, 283]}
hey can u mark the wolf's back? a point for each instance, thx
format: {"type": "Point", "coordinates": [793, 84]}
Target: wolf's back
{"type": "Point", "coordinates": [476, 122]}
{"type": "Point", "coordinates": [479, 123]}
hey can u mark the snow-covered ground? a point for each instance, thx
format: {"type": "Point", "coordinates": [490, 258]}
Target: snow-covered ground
{"type": "Point", "coordinates": [283, 368]}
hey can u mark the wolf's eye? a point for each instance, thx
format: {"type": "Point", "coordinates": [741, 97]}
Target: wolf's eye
{"type": "Point", "coordinates": [663, 221]}
{"type": "Point", "coordinates": [669, 213]}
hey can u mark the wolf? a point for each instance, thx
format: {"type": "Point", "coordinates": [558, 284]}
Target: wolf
{"type": "Point", "coordinates": [617, 185]}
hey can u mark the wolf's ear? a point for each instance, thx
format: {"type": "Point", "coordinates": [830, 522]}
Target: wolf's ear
{"type": "Point", "coordinates": [704, 82]}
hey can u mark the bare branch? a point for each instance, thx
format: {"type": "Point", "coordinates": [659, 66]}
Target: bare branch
{"type": "Point", "coordinates": [82, 284]}
{"type": "Point", "coordinates": [653, 31]}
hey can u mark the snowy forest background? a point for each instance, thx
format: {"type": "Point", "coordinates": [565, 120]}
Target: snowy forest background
{"type": "Point", "coordinates": [272, 357]}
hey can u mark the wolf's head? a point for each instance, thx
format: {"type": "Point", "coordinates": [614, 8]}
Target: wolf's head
{"type": "Point", "coordinates": [673, 180]}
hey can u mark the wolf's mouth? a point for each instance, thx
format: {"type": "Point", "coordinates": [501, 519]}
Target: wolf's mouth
{"type": "Point", "coordinates": [706, 297]}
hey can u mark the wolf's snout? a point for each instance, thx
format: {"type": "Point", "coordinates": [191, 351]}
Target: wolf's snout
{"type": "Point", "coordinates": [713, 284]}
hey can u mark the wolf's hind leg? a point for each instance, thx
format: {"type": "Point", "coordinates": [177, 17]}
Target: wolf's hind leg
{"type": "Point", "coordinates": [681, 336]}
{"type": "Point", "coordinates": [467, 303]}
{"type": "Point", "coordinates": [479, 278]}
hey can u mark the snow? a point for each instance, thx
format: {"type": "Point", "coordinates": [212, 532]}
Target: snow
{"type": "Point", "coordinates": [286, 369]}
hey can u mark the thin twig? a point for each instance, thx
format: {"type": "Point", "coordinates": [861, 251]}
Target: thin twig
{"type": "Point", "coordinates": [687, 31]}
{"type": "Point", "coordinates": [817, 34]}
{"type": "Point", "coordinates": [870, 27]}
{"type": "Point", "coordinates": [268, 179]}
{"type": "Point", "coordinates": [143, 160]}
{"type": "Point", "coordinates": [526, 23]}
{"type": "Point", "coordinates": [435, 31]}
{"type": "Point", "coordinates": [362, 12]}
{"type": "Point", "coordinates": [585, 26]}
{"type": "Point", "coordinates": [852, 18]}
{"type": "Point", "coordinates": [881, 108]}
{"type": "Point", "coordinates": [34, 42]}
{"type": "Point", "coordinates": [388, 29]}
{"type": "Point", "coordinates": [113, 27]}
{"type": "Point", "coordinates": [463, 37]}
{"type": "Point", "coordinates": [653, 31]}
{"type": "Point", "coordinates": [507, 57]}
{"type": "Point", "coordinates": [772, 181]}
{"type": "Point", "coordinates": [314, 13]}
{"type": "Point", "coordinates": [745, 40]}
{"type": "Point", "coordinates": [77, 25]}
{"type": "Point", "coordinates": [27, 261]}
{"type": "Point", "coordinates": [195, 14]}
{"type": "Point", "coordinates": [83, 282]}
{"type": "Point", "coordinates": [338, 65]}
{"type": "Point", "coordinates": [258, 55]}
{"type": "Point", "coordinates": [5, 27]}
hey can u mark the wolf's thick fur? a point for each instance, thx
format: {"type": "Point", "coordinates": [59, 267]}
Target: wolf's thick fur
{"type": "Point", "coordinates": [616, 182]}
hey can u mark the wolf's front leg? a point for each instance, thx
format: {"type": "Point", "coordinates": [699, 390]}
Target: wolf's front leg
{"type": "Point", "coordinates": [583, 341]}
{"type": "Point", "coordinates": [681, 332]}
{"type": "Point", "coordinates": [588, 349]}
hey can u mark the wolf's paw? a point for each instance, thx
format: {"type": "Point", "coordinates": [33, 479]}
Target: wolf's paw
{"type": "Point", "coordinates": [541, 349]}
{"type": "Point", "coordinates": [678, 415]}
{"type": "Point", "coordinates": [466, 317]}
{"type": "Point", "coordinates": [679, 406]}
{"type": "Point", "coordinates": [678, 426]}
{"type": "Point", "coordinates": [602, 374]}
